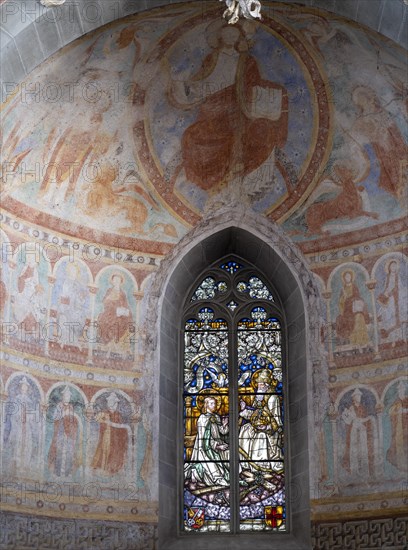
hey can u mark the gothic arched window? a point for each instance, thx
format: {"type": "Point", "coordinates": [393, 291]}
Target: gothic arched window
{"type": "Point", "coordinates": [234, 458]}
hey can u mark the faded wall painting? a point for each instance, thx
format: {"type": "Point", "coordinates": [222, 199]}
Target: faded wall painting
{"type": "Point", "coordinates": [70, 307]}
{"type": "Point", "coordinates": [112, 435]}
{"type": "Point", "coordinates": [240, 116]}
{"type": "Point", "coordinates": [359, 426]}
{"type": "Point", "coordinates": [351, 310]}
{"type": "Point", "coordinates": [29, 295]}
{"type": "Point", "coordinates": [23, 428]}
{"type": "Point", "coordinates": [395, 420]}
{"type": "Point", "coordinates": [364, 182]}
{"type": "Point", "coordinates": [115, 317]}
{"type": "Point", "coordinates": [66, 435]}
{"type": "Point", "coordinates": [391, 294]}
{"type": "Point", "coordinates": [4, 279]}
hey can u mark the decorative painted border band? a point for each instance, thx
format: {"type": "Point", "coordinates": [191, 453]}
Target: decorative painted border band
{"type": "Point", "coordinates": [361, 534]}
{"type": "Point", "coordinates": [66, 371]}
{"type": "Point", "coordinates": [18, 531]}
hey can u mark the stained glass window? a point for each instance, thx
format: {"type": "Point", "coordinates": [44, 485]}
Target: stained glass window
{"type": "Point", "coordinates": [233, 404]}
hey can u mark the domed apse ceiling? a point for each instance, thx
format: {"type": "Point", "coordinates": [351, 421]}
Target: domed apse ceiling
{"type": "Point", "coordinates": [176, 113]}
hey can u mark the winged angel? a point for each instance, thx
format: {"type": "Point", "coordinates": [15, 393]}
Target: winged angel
{"type": "Point", "coordinates": [250, 9]}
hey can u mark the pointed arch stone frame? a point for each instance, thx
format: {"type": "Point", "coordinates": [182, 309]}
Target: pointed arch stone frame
{"type": "Point", "coordinates": [236, 230]}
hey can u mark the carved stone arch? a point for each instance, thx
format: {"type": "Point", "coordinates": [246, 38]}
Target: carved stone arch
{"type": "Point", "coordinates": [235, 231]}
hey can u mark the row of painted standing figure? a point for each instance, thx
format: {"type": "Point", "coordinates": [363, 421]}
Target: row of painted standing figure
{"type": "Point", "coordinates": [367, 434]}
{"type": "Point", "coordinates": [67, 310]}
{"type": "Point", "coordinates": [63, 435]}
{"type": "Point", "coordinates": [363, 311]}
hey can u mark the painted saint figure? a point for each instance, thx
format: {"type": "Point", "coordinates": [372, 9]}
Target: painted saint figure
{"type": "Point", "coordinates": [241, 116]}
{"type": "Point", "coordinates": [260, 437]}
{"type": "Point", "coordinates": [397, 454]}
{"type": "Point", "coordinates": [72, 307]}
{"type": "Point", "coordinates": [209, 463]}
{"type": "Point", "coordinates": [115, 319]}
{"type": "Point", "coordinates": [352, 321]}
{"type": "Point", "coordinates": [377, 127]}
{"type": "Point", "coordinates": [361, 451]}
{"type": "Point", "coordinates": [112, 448]}
{"type": "Point", "coordinates": [391, 301]}
{"type": "Point", "coordinates": [22, 435]}
{"type": "Point", "coordinates": [65, 452]}
{"type": "Point", "coordinates": [73, 150]}
{"type": "Point", "coordinates": [29, 301]}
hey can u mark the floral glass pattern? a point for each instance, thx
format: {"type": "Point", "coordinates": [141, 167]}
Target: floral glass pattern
{"type": "Point", "coordinates": [208, 289]}
{"type": "Point", "coordinates": [255, 288]}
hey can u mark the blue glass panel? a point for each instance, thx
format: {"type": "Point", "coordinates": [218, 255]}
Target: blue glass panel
{"type": "Point", "coordinates": [231, 266]}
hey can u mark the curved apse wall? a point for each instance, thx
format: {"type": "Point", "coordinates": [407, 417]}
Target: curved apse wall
{"type": "Point", "coordinates": [116, 147]}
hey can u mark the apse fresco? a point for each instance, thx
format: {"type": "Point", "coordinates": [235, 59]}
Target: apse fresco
{"type": "Point", "coordinates": [119, 152]}
{"type": "Point", "coordinates": [27, 294]}
{"type": "Point", "coordinates": [70, 307]}
{"type": "Point", "coordinates": [75, 407]}
{"type": "Point", "coordinates": [112, 434]}
{"type": "Point", "coordinates": [114, 326]}
{"type": "Point", "coordinates": [233, 116]}
{"type": "Point", "coordinates": [358, 456]}
{"type": "Point", "coordinates": [177, 112]}
{"type": "Point", "coordinates": [364, 182]}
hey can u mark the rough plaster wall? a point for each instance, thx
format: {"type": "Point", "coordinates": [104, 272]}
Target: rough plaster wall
{"type": "Point", "coordinates": [116, 242]}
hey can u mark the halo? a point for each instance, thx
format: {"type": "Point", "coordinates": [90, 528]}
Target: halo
{"type": "Point", "coordinates": [117, 274]}
{"type": "Point", "coordinates": [265, 373]}
{"type": "Point", "coordinates": [353, 275]}
{"type": "Point", "coordinates": [389, 262]}
{"type": "Point", "coordinates": [364, 91]}
{"type": "Point", "coordinates": [208, 393]}
{"type": "Point", "coordinates": [213, 33]}
{"type": "Point", "coordinates": [24, 382]}
{"type": "Point", "coordinates": [73, 266]}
